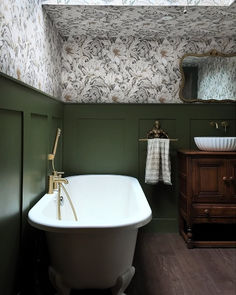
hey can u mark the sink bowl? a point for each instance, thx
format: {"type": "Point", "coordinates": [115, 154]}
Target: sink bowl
{"type": "Point", "coordinates": [216, 144]}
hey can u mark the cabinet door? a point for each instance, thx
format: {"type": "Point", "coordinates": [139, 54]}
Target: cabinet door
{"type": "Point", "coordinates": [231, 180]}
{"type": "Point", "coordinates": [208, 180]}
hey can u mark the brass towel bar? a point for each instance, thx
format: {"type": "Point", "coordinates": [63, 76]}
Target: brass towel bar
{"type": "Point", "coordinates": [157, 132]}
{"type": "Point", "coordinates": [171, 139]}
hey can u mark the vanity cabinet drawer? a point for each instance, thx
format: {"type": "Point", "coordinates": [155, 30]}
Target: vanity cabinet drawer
{"type": "Point", "coordinates": [214, 211]}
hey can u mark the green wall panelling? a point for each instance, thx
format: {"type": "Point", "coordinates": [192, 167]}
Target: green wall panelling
{"type": "Point", "coordinates": [38, 155]}
{"type": "Point", "coordinates": [95, 139]}
{"type": "Point", "coordinates": [89, 125]}
{"type": "Point", "coordinates": [41, 115]}
{"type": "Point", "coordinates": [10, 197]}
{"type": "Point", "coordinates": [110, 144]}
{"type": "Point", "coordinates": [31, 122]}
{"type": "Point", "coordinates": [16, 95]}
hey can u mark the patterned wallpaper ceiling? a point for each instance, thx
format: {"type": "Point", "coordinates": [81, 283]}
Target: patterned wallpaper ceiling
{"type": "Point", "coordinates": [141, 2]}
{"type": "Point", "coordinates": [148, 22]}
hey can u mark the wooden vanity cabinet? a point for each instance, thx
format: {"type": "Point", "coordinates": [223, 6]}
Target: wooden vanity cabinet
{"type": "Point", "coordinates": [207, 194]}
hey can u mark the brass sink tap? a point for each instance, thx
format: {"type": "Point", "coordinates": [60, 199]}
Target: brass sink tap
{"type": "Point", "coordinates": [214, 124]}
{"type": "Point", "coordinates": [225, 124]}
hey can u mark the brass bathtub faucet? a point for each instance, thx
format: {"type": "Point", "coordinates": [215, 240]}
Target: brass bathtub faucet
{"type": "Point", "coordinates": [54, 180]}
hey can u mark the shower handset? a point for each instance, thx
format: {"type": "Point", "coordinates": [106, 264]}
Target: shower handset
{"type": "Point", "coordinates": [52, 156]}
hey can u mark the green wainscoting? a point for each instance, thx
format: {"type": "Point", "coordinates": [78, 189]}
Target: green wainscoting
{"type": "Point", "coordinates": [96, 139]}
{"type": "Point", "coordinates": [104, 139]}
{"type": "Point", "coordinates": [28, 122]}
{"type": "Point", "coordinates": [10, 197]}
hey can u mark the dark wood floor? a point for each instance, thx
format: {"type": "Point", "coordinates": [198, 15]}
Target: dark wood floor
{"type": "Point", "coordinates": [164, 266]}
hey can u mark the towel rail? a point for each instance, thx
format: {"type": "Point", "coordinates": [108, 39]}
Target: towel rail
{"type": "Point", "coordinates": [146, 139]}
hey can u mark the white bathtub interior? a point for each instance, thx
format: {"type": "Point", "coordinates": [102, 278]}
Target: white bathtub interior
{"type": "Point", "coordinates": [99, 201]}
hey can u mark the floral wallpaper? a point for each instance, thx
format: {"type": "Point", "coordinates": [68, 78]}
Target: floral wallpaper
{"type": "Point", "coordinates": [107, 54]}
{"type": "Point", "coordinates": [128, 69]}
{"type": "Point", "coordinates": [141, 2]}
{"type": "Point", "coordinates": [217, 76]}
{"type": "Point", "coordinates": [30, 47]}
{"type": "Point", "coordinates": [143, 21]}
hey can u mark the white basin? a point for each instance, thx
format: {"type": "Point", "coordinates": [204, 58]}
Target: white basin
{"type": "Point", "coordinates": [216, 144]}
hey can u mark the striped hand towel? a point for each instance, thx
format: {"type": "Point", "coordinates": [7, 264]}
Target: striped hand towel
{"type": "Point", "coordinates": [158, 161]}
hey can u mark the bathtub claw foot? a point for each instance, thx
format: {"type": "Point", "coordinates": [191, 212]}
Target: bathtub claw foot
{"type": "Point", "coordinates": [123, 281]}
{"type": "Point", "coordinates": [57, 282]}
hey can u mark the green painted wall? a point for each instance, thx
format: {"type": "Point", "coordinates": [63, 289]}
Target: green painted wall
{"type": "Point", "coordinates": [96, 139]}
{"type": "Point", "coordinates": [104, 139]}
{"type": "Point", "coordinates": [28, 122]}
{"type": "Point", "coordinates": [10, 201]}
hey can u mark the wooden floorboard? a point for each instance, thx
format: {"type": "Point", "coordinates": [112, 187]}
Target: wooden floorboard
{"type": "Point", "coordinates": [164, 266]}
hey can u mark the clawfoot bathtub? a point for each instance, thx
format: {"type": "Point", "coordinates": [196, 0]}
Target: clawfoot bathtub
{"type": "Point", "coordinates": [95, 252]}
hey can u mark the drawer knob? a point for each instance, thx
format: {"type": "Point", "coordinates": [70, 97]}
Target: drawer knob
{"type": "Point", "coordinates": [230, 179]}
{"type": "Point", "coordinates": [206, 211]}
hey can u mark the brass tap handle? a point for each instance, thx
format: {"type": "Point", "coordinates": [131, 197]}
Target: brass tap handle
{"type": "Point", "coordinates": [58, 179]}
{"type": "Point", "coordinates": [224, 178]}
{"type": "Point", "coordinates": [54, 180]}
{"type": "Point", "coordinates": [50, 184]}
{"type": "Point", "coordinates": [224, 124]}
{"type": "Point", "coordinates": [58, 174]}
